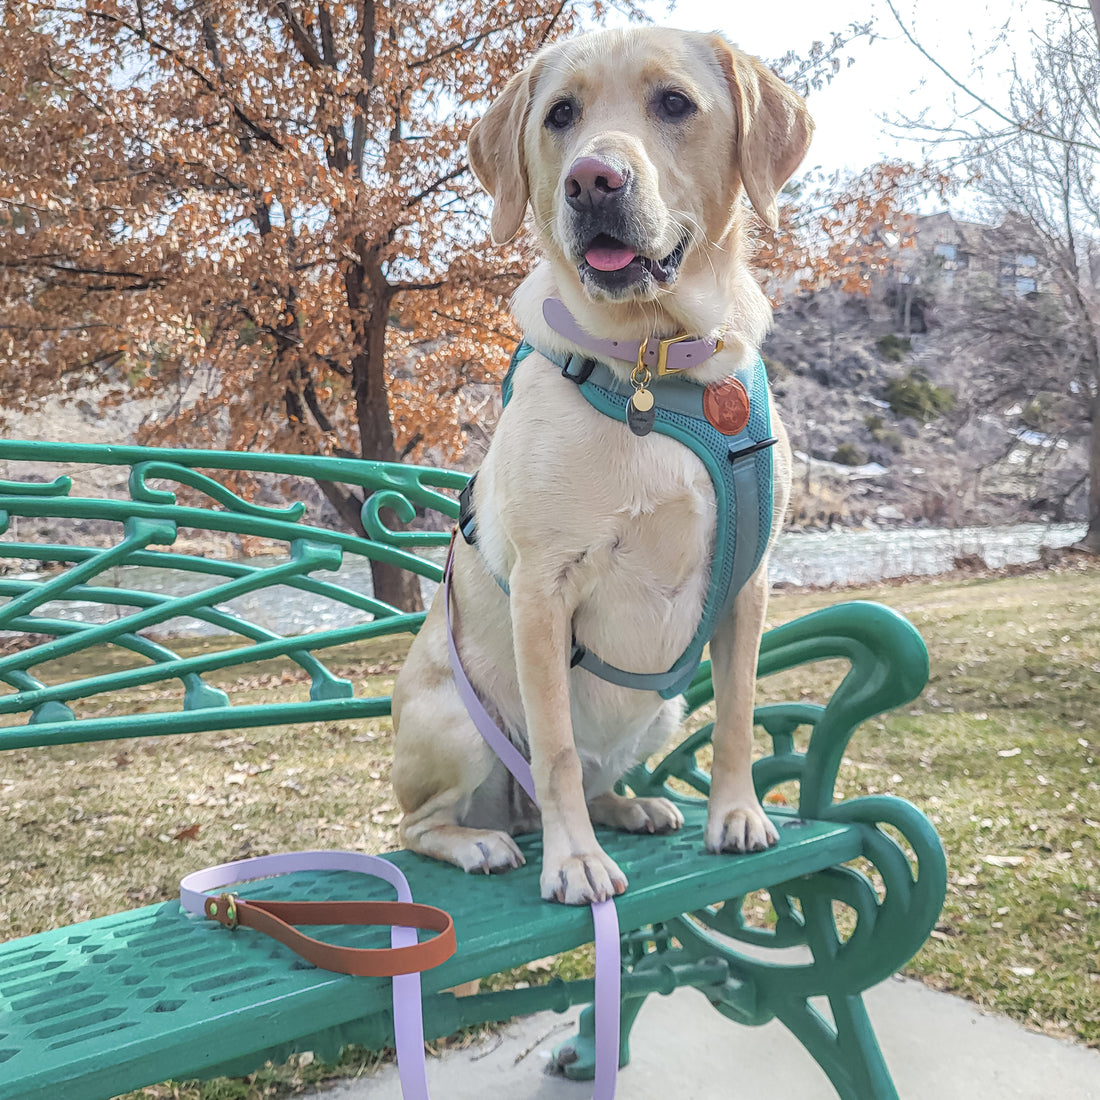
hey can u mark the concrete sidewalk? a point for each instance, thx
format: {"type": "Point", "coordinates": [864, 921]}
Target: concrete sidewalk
{"type": "Point", "coordinates": [937, 1047]}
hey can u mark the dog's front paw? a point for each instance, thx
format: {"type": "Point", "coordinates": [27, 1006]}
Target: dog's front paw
{"type": "Point", "coordinates": [740, 827]}
{"type": "Point", "coordinates": [581, 878]}
{"type": "Point", "coordinates": [486, 852]}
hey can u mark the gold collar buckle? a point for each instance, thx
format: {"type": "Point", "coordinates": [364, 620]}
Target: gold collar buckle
{"type": "Point", "coordinates": [662, 353]}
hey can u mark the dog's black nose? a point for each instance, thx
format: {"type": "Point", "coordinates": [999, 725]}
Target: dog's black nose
{"type": "Point", "coordinates": [592, 182]}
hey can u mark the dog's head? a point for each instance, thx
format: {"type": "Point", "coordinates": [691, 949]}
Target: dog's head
{"type": "Point", "coordinates": [631, 148]}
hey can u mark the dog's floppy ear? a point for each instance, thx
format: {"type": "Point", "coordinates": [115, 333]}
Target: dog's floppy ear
{"type": "Point", "coordinates": [774, 128]}
{"type": "Point", "coordinates": [497, 157]}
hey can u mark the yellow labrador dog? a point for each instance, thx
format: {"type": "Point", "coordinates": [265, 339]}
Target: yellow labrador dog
{"type": "Point", "coordinates": [631, 149]}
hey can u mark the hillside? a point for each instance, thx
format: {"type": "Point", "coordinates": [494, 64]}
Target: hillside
{"type": "Point", "coordinates": [844, 378]}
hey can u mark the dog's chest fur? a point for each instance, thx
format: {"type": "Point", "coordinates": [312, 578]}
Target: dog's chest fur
{"type": "Point", "coordinates": [624, 525]}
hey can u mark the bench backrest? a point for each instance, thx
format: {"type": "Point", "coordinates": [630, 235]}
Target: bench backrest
{"type": "Point", "coordinates": [114, 556]}
{"type": "Point", "coordinates": [132, 543]}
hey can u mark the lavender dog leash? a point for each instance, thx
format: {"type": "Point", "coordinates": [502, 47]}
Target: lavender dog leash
{"type": "Point", "coordinates": [605, 919]}
{"type": "Point", "coordinates": [408, 1023]}
{"type": "Point", "coordinates": [198, 888]}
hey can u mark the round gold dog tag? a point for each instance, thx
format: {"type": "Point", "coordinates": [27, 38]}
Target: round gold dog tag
{"type": "Point", "coordinates": [642, 400]}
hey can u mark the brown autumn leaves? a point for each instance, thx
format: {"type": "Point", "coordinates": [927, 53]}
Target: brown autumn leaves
{"type": "Point", "coordinates": [261, 212]}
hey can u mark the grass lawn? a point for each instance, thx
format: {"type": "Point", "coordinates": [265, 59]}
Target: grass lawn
{"type": "Point", "coordinates": [1000, 752]}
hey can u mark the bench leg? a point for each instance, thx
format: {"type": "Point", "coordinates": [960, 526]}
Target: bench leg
{"type": "Point", "coordinates": [657, 971]}
{"type": "Point", "coordinates": [576, 1056]}
{"type": "Point", "coordinates": [848, 1053]}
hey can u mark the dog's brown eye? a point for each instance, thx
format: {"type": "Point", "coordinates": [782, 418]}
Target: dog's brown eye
{"type": "Point", "coordinates": [674, 105]}
{"type": "Point", "coordinates": [561, 115]}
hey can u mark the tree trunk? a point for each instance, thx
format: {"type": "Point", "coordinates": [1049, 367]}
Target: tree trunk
{"type": "Point", "coordinates": [397, 587]}
{"type": "Point", "coordinates": [369, 296]}
{"type": "Point", "coordinates": [1092, 537]}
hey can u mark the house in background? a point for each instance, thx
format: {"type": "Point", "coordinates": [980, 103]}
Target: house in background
{"type": "Point", "coordinates": [944, 251]}
{"type": "Point", "coordinates": [1006, 253]}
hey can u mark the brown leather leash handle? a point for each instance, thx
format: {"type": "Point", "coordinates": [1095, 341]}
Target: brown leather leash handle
{"type": "Point", "coordinates": [276, 919]}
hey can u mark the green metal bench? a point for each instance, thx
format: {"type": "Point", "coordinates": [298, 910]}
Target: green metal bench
{"type": "Point", "coordinates": [110, 1004]}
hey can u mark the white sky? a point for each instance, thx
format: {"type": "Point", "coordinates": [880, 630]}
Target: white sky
{"type": "Point", "coordinates": [889, 75]}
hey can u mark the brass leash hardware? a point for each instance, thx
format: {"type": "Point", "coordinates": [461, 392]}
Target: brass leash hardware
{"type": "Point", "coordinates": [223, 909]}
{"type": "Point", "coordinates": [642, 399]}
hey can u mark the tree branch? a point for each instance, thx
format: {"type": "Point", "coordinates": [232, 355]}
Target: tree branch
{"type": "Point", "coordinates": [258, 130]}
{"type": "Point", "coordinates": [348, 506]}
{"type": "Point", "coordinates": [552, 23]}
{"type": "Point", "coordinates": [366, 73]}
{"type": "Point", "coordinates": [1017, 125]}
{"type": "Point", "coordinates": [413, 200]}
{"type": "Point", "coordinates": [302, 38]}
{"type": "Point", "coordinates": [397, 288]}
{"type": "Point", "coordinates": [467, 43]}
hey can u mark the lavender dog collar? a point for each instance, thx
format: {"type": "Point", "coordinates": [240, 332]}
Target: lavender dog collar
{"type": "Point", "coordinates": [660, 355]}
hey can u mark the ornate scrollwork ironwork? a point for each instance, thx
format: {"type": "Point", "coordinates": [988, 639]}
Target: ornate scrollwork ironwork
{"type": "Point", "coordinates": [410, 487]}
{"type": "Point", "coordinates": [140, 490]}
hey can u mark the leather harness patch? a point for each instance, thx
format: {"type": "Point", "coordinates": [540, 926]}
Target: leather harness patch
{"type": "Point", "coordinates": [726, 406]}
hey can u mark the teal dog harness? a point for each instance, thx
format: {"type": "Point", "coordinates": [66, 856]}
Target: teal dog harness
{"type": "Point", "coordinates": [740, 466]}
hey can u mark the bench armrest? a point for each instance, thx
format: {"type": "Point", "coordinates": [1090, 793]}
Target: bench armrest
{"type": "Point", "coordinates": [888, 666]}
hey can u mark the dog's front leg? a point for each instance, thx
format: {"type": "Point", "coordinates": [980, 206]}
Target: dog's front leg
{"type": "Point", "coordinates": [735, 819]}
{"type": "Point", "coordinates": [575, 869]}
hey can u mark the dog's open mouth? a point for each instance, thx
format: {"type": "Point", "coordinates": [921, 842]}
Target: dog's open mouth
{"type": "Point", "coordinates": [611, 263]}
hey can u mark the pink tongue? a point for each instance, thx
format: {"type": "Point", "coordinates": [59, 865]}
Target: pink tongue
{"type": "Point", "coordinates": [610, 258]}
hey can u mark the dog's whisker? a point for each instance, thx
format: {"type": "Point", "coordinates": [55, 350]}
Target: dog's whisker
{"type": "Point", "coordinates": [699, 237]}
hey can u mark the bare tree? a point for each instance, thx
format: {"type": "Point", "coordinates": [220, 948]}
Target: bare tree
{"type": "Point", "coordinates": [1037, 154]}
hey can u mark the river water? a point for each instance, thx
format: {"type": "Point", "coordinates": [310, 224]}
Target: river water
{"type": "Point", "coordinates": [868, 555]}
{"type": "Point", "coordinates": [816, 558]}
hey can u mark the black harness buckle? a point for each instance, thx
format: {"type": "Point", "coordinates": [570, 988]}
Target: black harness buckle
{"type": "Point", "coordinates": [467, 521]}
{"type": "Point", "coordinates": [582, 374]}
{"type": "Point", "coordinates": [753, 448]}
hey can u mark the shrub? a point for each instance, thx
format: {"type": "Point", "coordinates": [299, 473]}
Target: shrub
{"type": "Point", "coordinates": [914, 395]}
{"type": "Point", "coordinates": [894, 348]}
{"type": "Point", "coordinates": [880, 433]}
{"type": "Point", "coordinates": [848, 454]}
{"type": "Point", "coordinates": [1037, 414]}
